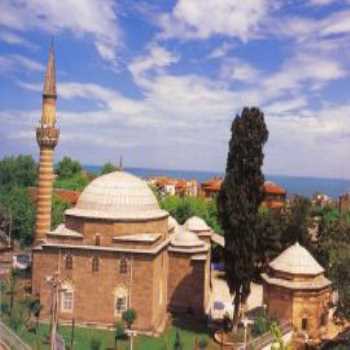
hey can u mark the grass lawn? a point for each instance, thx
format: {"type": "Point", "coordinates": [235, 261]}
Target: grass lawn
{"type": "Point", "coordinates": [188, 330]}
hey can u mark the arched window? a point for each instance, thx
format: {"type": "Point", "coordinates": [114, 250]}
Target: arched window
{"type": "Point", "coordinates": [123, 267]}
{"type": "Point", "coordinates": [67, 298]}
{"type": "Point", "coordinates": [304, 324]}
{"type": "Point", "coordinates": [69, 262]}
{"type": "Point", "coordinates": [95, 263]}
{"type": "Point", "coordinates": [97, 239]}
{"type": "Point", "coordinates": [121, 301]}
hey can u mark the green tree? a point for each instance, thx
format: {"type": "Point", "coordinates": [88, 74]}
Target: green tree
{"type": "Point", "coordinates": [239, 201]}
{"type": "Point", "coordinates": [59, 206]}
{"type": "Point", "coordinates": [95, 343]}
{"type": "Point", "coordinates": [108, 168]}
{"type": "Point", "coordinates": [183, 208]}
{"type": "Point", "coordinates": [269, 232]}
{"type": "Point", "coordinates": [203, 343]}
{"type": "Point", "coordinates": [178, 343]}
{"type": "Point", "coordinates": [12, 290]}
{"type": "Point", "coordinates": [20, 171]}
{"type": "Point", "coordinates": [22, 211]}
{"type": "Point", "coordinates": [298, 223]}
{"type": "Point", "coordinates": [129, 316]}
{"type": "Point", "coordinates": [333, 252]}
{"type": "Point", "coordinates": [119, 333]}
{"type": "Point", "coordinates": [34, 308]}
{"type": "Point", "coordinates": [76, 182]}
{"type": "Point", "coordinates": [67, 168]}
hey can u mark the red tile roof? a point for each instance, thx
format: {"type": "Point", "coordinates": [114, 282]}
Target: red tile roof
{"type": "Point", "coordinates": [68, 196]}
{"type": "Point", "coordinates": [271, 187]}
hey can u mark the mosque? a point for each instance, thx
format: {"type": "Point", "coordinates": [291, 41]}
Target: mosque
{"type": "Point", "coordinates": [116, 248]}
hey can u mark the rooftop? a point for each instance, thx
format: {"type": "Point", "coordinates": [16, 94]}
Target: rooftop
{"type": "Point", "coordinates": [298, 261]}
{"type": "Point", "coordinates": [117, 195]}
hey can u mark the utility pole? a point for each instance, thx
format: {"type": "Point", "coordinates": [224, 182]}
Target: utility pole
{"type": "Point", "coordinates": [55, 284]}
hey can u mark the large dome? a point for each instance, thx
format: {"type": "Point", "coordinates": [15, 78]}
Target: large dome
{"type": "Point", "coordinates": [117, 195]}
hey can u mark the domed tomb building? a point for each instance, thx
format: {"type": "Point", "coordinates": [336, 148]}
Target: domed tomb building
{"type": "Point", "coordinates": [189, 273]}
{"type": "Point", "coordinates": [116, 248]}
{"type": "Point", "coordinates": [198, 226]}
{"type": "Point", "coordinates": [295, 290]}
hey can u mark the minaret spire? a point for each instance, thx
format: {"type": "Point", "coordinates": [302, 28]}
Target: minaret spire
{"type": "Point", "coordinates": [48, 117]}
{"type": "Point", "coordinates": [50, 76]}
{"type": "Point", "coordinates": [47, 136]}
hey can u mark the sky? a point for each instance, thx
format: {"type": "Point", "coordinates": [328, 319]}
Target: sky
{"type": "Point", "coordinates": [159, 82]}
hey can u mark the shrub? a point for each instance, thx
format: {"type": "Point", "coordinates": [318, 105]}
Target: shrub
{"type": "Point", "coordinates": [129, 316]}
{"type": "Point", "coordinates": [95, 344]}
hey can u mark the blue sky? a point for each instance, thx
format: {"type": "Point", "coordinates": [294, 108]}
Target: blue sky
{"type": "Point", "coordinates": [159, 82]}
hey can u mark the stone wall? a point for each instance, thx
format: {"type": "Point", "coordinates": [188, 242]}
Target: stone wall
{"type": "Point", "coordinates": [311, 306]}
{"type": "Point", "coordinates": [94, 292]}
{"type": "Point", "coordinates": [279, 302]}
{"type": "Point", "coordinates": [109, 229]}
{"type": "Point", "coordinates": [187, 284]}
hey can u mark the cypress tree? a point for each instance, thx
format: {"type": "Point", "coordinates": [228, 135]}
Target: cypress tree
{"type": "Point", "coordinates": [239, 200]}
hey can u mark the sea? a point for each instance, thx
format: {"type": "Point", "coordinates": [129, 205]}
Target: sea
{"type": "Point", "coordinates": [295, 185]}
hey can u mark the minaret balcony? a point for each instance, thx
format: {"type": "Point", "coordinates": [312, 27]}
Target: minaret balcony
{"type": "Point", "coordinates": [47, 136]}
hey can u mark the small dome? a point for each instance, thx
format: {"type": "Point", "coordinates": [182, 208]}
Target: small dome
{"type": "Point", "coordinates": [117, 195]}
{"type": "Point", "coordinates": [172, 224]}
{"type": "Point", "coordinates": [297, 260]}
{"type": "Point", "coordinates": [196, 224]}
{"type": "Point", "coordinates": [186, 239]}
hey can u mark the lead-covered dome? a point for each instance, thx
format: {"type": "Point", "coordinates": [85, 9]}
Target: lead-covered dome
{"type": "Point", "coordinates": [296, 260]}
{"type": "Point", "coordinates": [118, 195]}
{"type": "Point", "coordinates": [196, 224]}
{"type": "Point", "coordinates": [186, 239]}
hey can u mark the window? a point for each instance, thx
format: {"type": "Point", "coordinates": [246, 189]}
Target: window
{"type": "Point", "coordinates": [67, 299]}
{"type": "Point", "coordinates": [123, 268]}
{"type": "Point", "coordinates": [97, 239]}
{"type": "Point", "coordinates": [324, 319]}
{"type": "Point", "coordinates": [95, 264]}
{"type": "Point", "coordinates": [120, 305]}
{"type": "Point", "coordinates": [121, 301]}
{"type": "Point", "coordinates": [69, 262]}
{"type": "Point", "coordinates": [304, 324]}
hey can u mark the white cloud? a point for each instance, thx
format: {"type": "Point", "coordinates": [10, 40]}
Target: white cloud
{"type": "Point", "coordinates": [321, 135]}
{"type": "Point", "coordinates": [221, 51]}
{"type": "Point", "coordinates": [301, 69]}
{"type": "Point", "coordinates": [156, 58]}
{"type": "Point", "coordinates": [18, 62]}
{"type": "Point", "coordinates": [322, 2]}
{"type": "Point", "coordinates": [286, 106]}
{"type": "Point", "coordinates": [93, 17]}
{"type": "Point", "coordinates": [14, 39]}
{"type": "Point", "coordinates": [234, 69]}
{"type": "Point", "coordinates": [192, 19]}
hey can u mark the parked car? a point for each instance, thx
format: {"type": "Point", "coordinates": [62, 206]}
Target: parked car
{"type": "Point", "coordinates": [21, 261]}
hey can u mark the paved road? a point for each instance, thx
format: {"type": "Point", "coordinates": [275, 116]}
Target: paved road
{"type": "Point", "coordinates": [220, 292]}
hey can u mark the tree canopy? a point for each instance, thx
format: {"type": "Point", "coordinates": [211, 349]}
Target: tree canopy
{"type": "Point", "coordinates": [182, 208]}
{"type": "Point", "coordinates": [67, 168]}
{"type": "Point", "coordinates": [108, 168]}
{"type": "Point", "coordinates": [239, 201]}
{"type": "Point", "coordinates": [70, 175]}
{"type": "Point", "coordinates": [18, 171]}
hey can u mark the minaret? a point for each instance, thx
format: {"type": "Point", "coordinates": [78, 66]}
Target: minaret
{"type": "Point", "coordinates": [47, 137]}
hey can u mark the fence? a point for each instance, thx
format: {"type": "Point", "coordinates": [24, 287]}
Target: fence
{"type": "Point", "coordinates": [12, 340]}
{"type": "Point", "coordinates": [266, 339]}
